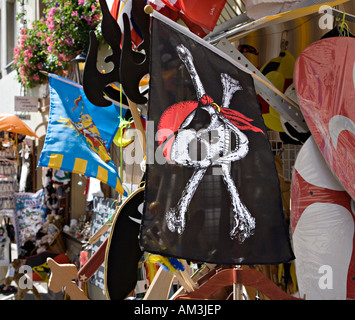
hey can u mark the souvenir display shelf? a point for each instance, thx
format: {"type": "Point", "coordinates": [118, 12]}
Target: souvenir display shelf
{"type": "Point", "coordinates": [8, 173]}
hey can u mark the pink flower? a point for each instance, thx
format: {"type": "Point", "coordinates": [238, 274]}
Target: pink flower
{"type": "Point", "coordinates": [21, 44]}
{"type": "Point", "coordinates": [69, 41]}
{"type": "Point", "coordinates": [74, 13]}
{"type": "Point", "coordinates": [28, 53]}
{"type": "Point", "coordinates": [36, 77]}
{"type": "Point", "coordinates": [93, 7]}
{"type": "Point", "coordinates": [40, 66]}
{"type": "Point", "coordinates": [51, 12]}
{"type": "Point", "coordinates": [49, 41]}
{"type": "Point", "coordinates": [51, 26]}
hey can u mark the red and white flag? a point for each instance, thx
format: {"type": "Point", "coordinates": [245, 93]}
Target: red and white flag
{"type": "Point", "coordinates": [199, 16]}
{"type": "Point", "coordinates": [119, 7]}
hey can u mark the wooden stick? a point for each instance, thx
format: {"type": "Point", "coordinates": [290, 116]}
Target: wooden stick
{"type": "Point", "coordinates": [276, 91]}
{"type": "Point", "coordinates": [93, 239]}
{"type": "Point", "coordinates": [255, 76]}
{"type": "Point", "coordinates": [138, 123]}
{"type": "Point", "coordinates": [194, 278]}
{"type": "Point", "coordinates": [160, 287]}
{"type": "Point", "coordinates": [187, 279]}
{"type": "Point", "coordinates": [99, 233]}
{"type": "Point", "coordinates": [186, 284]}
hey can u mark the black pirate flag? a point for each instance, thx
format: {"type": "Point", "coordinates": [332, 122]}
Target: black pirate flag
{"type": "Point", "coordinates": [212, 189]}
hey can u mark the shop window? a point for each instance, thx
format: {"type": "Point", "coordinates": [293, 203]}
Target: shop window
{"type": "Point", "coordinates": [41, 7]}
{"type": "Point", "coordinates": [10, 32]}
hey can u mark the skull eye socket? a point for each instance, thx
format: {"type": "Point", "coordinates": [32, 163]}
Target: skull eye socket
{"type": "Point", "coordinates": [198, 119]}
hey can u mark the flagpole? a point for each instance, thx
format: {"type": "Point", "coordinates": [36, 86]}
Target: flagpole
{"type": "Point", "coordinates": [138, 123]}
{"type": "Point", "coordinates": [52, 75]}
{"type": "Point", "coordinates": [149, 10]}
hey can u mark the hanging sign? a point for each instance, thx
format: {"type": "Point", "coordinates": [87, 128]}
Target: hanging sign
{"type": "Point", "coordinates": [29, 104]}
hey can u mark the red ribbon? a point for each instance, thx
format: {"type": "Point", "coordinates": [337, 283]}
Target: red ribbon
{"type": "Point", "coordinates": [238, 119]}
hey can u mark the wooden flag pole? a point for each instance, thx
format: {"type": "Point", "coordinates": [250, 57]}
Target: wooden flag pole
{"type": "Point", "coordinates": [105, 227]}
{"type": "Point", "coordinates": [160, 286]}
{"type": "Point", "coordinates": [138, 123]}
{"type": "Point", "coordinates": [149, 10]}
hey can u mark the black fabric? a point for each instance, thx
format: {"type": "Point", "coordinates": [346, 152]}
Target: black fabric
{"type": "Point", "coordinates": [206, 235]}
{"type": "Point", "coordinates": [336, 32]}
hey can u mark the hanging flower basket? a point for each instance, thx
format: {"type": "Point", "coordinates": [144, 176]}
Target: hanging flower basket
{"type": "Point", "coordinates": [50, 43]}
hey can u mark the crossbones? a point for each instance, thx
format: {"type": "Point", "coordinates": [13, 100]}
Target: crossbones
{"type": "Point", "coordinates": [217, 153]}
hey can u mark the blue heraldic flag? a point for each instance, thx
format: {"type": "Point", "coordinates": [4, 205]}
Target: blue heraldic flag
{"type": "Point", "coordinates": [79, 134]}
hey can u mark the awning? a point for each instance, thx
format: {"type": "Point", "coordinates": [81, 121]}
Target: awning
{"type": "Point", "coordinates": [12, 123]}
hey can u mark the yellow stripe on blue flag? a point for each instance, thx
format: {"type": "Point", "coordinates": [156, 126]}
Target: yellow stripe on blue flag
{"type": "Point", "coordinates": [55, 161]}
{"type": "Point", "coordinates": [80, 166]}
{"type": "Point", "coordinates": [102, 174]}
{"type": "Point", "coordinates": [119, 187]}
